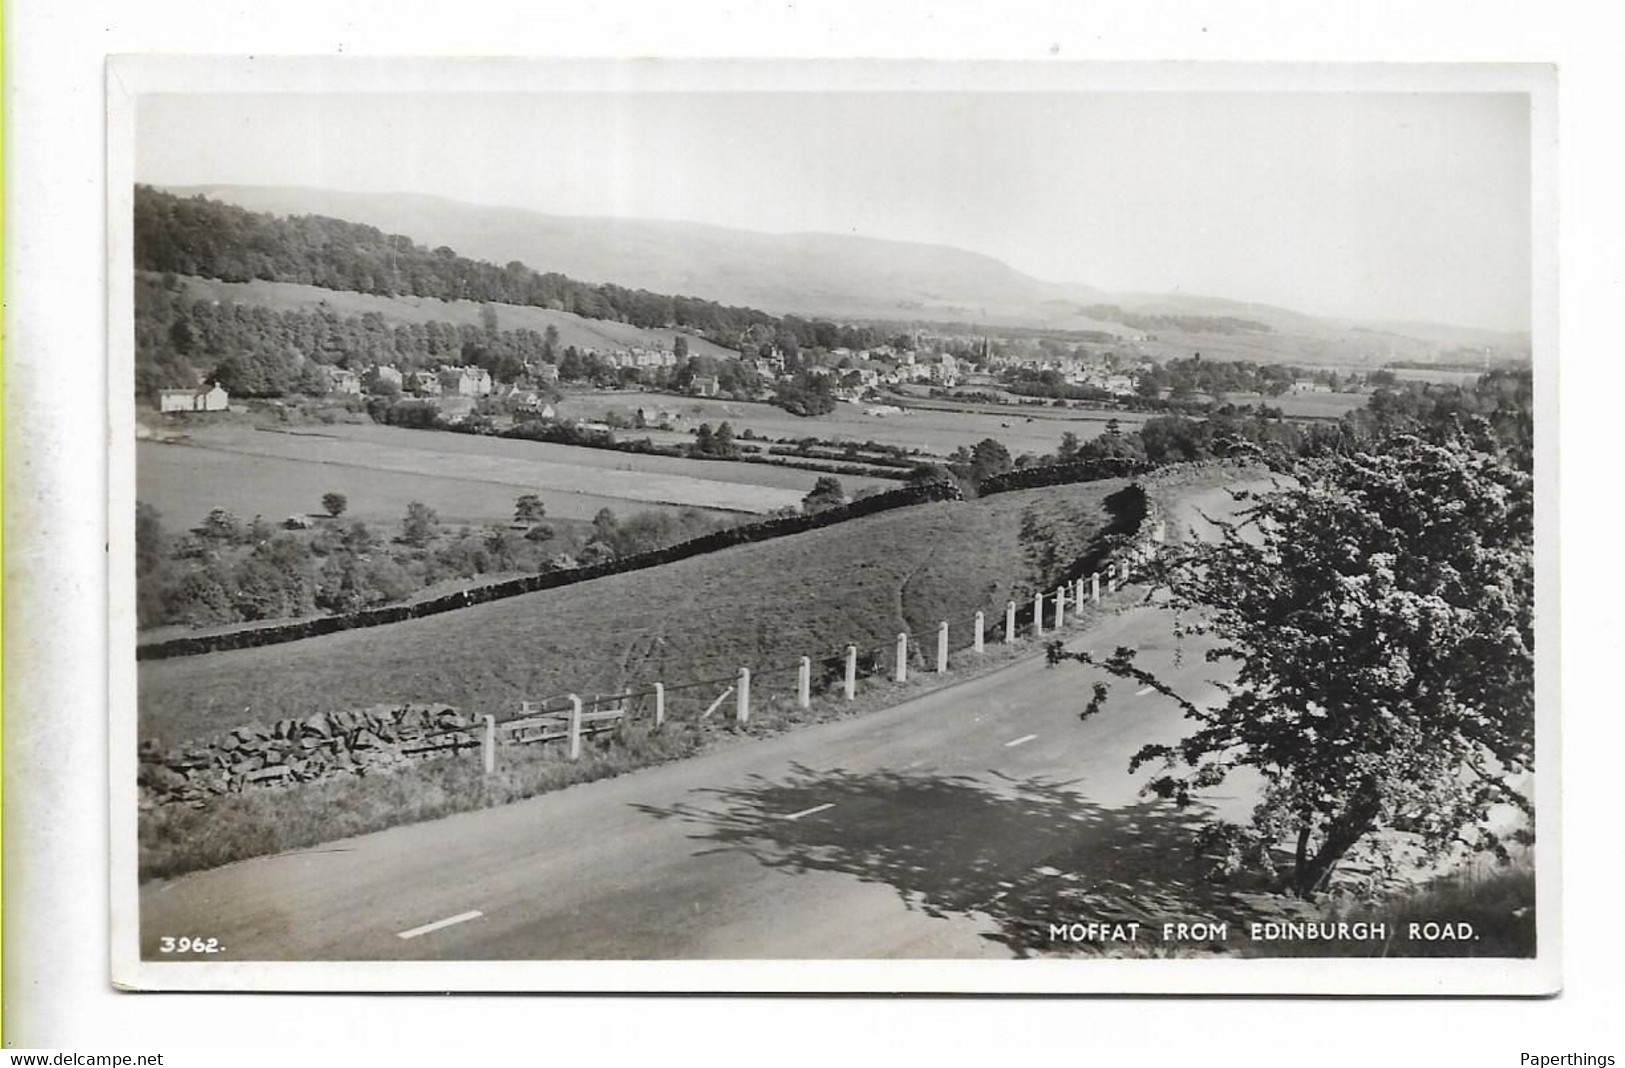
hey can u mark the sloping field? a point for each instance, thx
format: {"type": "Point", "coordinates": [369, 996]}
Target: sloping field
{"type": "Point", "coordinates": [573, 329]}
{"type": "Point", "coordinates": [768, 604]}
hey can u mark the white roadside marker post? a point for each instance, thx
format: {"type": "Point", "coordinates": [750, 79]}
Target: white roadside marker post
{"type": "Point", "coordinates": [1094, 587]}
{"type": "Point", "coordinates": [851, 672]}
{"type": "Point", "coordinates": [489, 746]}
{"type": "Point", "coordinates": [742, 697]}
{"type": "Point", "coordinates": [1010, 623]}
{"type": "Point", "coordinates": [804, 683]}
{"type": "Point", "coordinates": [902, 658]}
{"type": "Point", "coordinates": [1077, 594]}
{"type": "Point", "coordinates": [942, 648]}
{"type": "Point", "coordinates": [575, 727]}
{"type": "Point", "coordinates": [1060, 607]}
{"type": "Point", "coordinates": [978, 643]}
{"type": "Point", "coordinates": [1038, 615]}
{"type": "Point", "coordinates": [660, 703]}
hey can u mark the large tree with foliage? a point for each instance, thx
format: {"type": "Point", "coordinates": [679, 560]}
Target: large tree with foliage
{"type": "Point", "coordinates": [1380, 610]}
{"type": "Point", "coordinates": [826, 493]}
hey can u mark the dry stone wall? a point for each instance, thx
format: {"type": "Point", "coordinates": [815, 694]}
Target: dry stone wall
{"type": "Point", "coordinates": [292, 751]}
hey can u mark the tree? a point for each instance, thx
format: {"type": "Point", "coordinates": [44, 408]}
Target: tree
{"type": "Point", "coordinates": [529, 510]}
{"type": "Point", "coordinates": [1381, 612]}
{"type": "Point", "coordinates": [1069, 447]}
{"type": "Point", "coordinates": [927, 474]}
{"type": "Point", "coordinates": [420, 525]}
{"type": "Point", "coordinates": [220, 525]}
{"type": "Point", "coordinates": [704, 440]}
{"type": "Point", "coordinates": [826, 493]}
{"type": "Point", "coordinates": [335, 503]}
{"type": "Point", "coordinates": [723, 443]}
{"type": "Point", "coordinates": [606, 529]}
{"type": "Point", "coordinates": [989, 457]}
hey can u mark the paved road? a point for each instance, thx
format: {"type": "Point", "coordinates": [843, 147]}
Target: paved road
{"type": "Point", "coordinates": [957, 824]}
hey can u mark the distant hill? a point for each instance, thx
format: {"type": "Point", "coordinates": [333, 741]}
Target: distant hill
{"type": "Point", "coordinates": [848, 277]}
{"type": "Point", "coordinates": [837, 275]}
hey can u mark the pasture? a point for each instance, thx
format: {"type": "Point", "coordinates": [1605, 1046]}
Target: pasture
{"type": "Point", "coordinates": [935, 432]}
{"type": "Point", "coordinates": [466, 479]}
{"type": "Point", "coordinates": [765, 604]}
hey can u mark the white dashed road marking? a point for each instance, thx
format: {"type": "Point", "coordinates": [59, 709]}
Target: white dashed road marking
{"type": "Point", "coordinates": [461, 917]}
{"type": "Point", "coordinates": [1023, 740]}
{"type": "Point", "coordinates": [809, 811]}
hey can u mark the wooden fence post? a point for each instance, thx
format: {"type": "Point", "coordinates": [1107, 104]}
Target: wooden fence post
{"type": "Point", "coordinates": [942, 648]}
{"type": "Point", "coordinates": [978, 642]}
{"type": "Point", "coordinates": [1077, 595]}
{"type": "Point", "coordinates": [851, 672]}
{"type": "Point", "coordinates": [575, 727]}
{"type": "Point", "coordinates": [804, 683]}
{"type": "Point", "coordinates": [1038, 614]}
{"type": "Point", "coordinates": [1060, 607]}
{"type": "Point", "coordinates": [1009, 622]}
{"type": "Point", "coordinates": [660, 703]}
{"type": "Point", "coordinates": [488, 747]}
{"type": "Point", "coordinates": [902, 657]}
{"type": "Point", "coordinates": [1094, 587]}
{"type": "Point", "coordinates": [742, 698]}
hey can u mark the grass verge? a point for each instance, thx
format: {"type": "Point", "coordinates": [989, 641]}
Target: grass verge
{"type": "Point", "coordinates": [176, 839]}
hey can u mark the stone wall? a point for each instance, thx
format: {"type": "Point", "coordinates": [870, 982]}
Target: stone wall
{"type": "Point", "coordinates": [302, 750]}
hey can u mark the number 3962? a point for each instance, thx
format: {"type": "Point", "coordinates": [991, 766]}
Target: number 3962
{"type": "Point", "coordinates": [169, 944]}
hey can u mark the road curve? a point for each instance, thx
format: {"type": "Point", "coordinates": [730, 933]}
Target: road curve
{"type": "Point", "coordinates": [957, 824]}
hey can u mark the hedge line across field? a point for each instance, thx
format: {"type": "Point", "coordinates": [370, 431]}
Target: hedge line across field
{"type": "Point", "coordinates": [707, 543]}
{"type": "Point", "coordinates": [1061, 474]}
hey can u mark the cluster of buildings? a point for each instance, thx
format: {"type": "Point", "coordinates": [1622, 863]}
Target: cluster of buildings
{"type": "Point", "coordinates": [638, 358]}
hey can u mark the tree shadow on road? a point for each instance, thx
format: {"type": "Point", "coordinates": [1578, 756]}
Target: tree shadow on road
{"type": "Point", "coordinates": [1023, 853]}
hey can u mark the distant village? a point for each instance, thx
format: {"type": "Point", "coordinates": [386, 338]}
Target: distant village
{"type": "Point", "coordinates": [857, 376]}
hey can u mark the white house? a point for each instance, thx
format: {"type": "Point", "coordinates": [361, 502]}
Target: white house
{"type": "Point", "coordinates": [207, 398]}
{"type": "Point", "coordinates": [466, 381]}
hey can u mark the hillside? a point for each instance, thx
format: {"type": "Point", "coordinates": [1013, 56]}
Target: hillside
{"type": "Point", "coordinates": [806, 274]}
{"type": "Point", "coordinates": [844, 276]}
{"type": "Point", "coordinates": [757, 605]}
{"type": "Point", "coordinates": [600, 334]}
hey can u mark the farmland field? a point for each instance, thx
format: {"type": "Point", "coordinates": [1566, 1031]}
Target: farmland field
{"type": "Point", "coordinates": [938, 433]}
{"type": "Point", "coordinates": [766, 604]}
{"type": "Point", "coordinates": [466, 479]}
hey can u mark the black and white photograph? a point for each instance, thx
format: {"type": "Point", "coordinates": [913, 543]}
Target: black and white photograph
{"type": "Point", "coordinates": [875, 526]}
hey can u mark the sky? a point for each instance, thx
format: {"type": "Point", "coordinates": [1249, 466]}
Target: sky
{"type": "Point", "coordinates": [1373, 206]}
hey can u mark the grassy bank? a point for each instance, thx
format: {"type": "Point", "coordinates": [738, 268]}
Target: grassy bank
{"type": "Point", "coordinates": [757, 605]}
{"type": "Point", "coordinates": [176, 839]}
